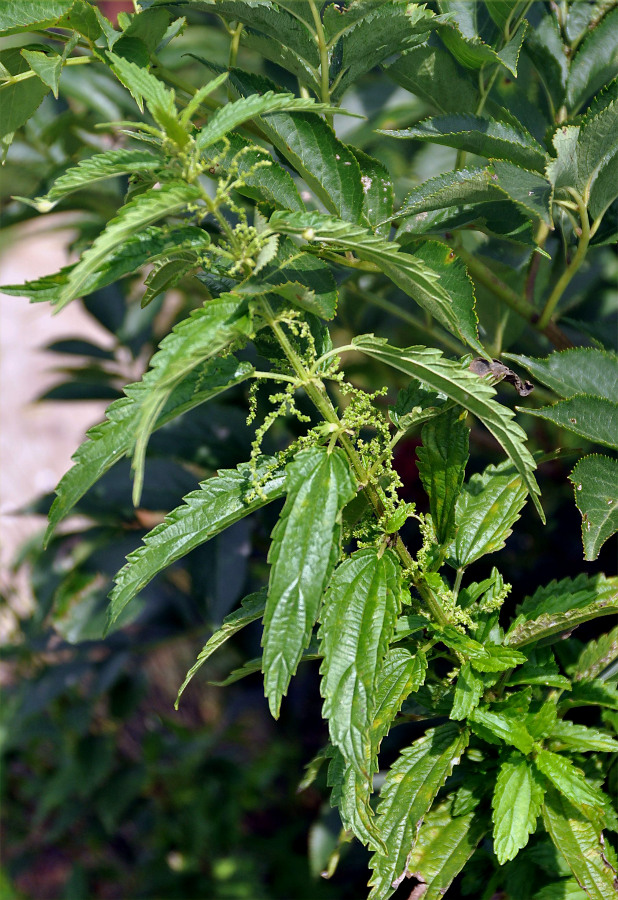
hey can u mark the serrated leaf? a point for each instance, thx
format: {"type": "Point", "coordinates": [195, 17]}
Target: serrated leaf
{"type": "Point", "coordinates": [545, 48]}
{"type": "Point", "coordinates": [218, 503]}
{"type": "Point", "coordinates": [530, 191]}
{"type": "Point", "coordinates": [430, 72]}
{"type": "Point", "coordinates": [468, 692]}
{"type": "Point", "coordinates": [595, 480]}
{"type": "Point", "coordinates": [350, 794]}
{"type": "Point", "coordinates": [486, 509]}
{"type": "Point", "coordinates": [581, 370]}
{"type": "Point", "coordinates": [571, 783]}
{"type": "Point", "coordinates": [414, 405]}
{"type": "Point", "coordinates": [358, 618]}
{"type": "Point", "coordinates": [99, 167]}
{"type": "Point", "coordinates": [401, 675]}
{"type": "Point", "coordinates": [16, 17]}
{"type": "Point", "coordinates": [377, 192]}
{"type": "Point", "coordinates": [18, 100]}
{"type": "Point", "coordinates": [486, 657]}
{"type": "Point", "coordinates": [441, 466]}
{"type": "Point", "coordinates": [166, 273]}
{"type": "Point", "coordinates": [410, 273]}
{"type": "Point", "coordinates": [590, 693]}
{"type": "Point", "coordinates": [581, 844]}
{"type": "Point", "coordinates": [234, 113]}
{"type": "Point", "coordinates": [444, 845]}
{"type": "Point", "coordinates": [516, 804]}
{"type": "Point", "coordinates": [594, 418]}
{"type": "Point", "coordinates": [489, 725]}
{"type": "Point", "coordinates": [596, 656]}
{"type": "Point", "coordinates": [406, 797]}
{"type": "Point", "coordinates": [463, 387]}
{"type": "Point", "coordinates": [318, 485]}
{"type": "Point", "coordinates": [561, 606]}
{"type": "Point", "coordinates": [482, 136]}
{"type": "Point", "coordinates": [48, 68]}
{"type": "Point", "coordinates": [143, 85]}
{"type": "Point", "coordinates": [145, 209]}
{"type": "Point", "coordinates": [252, 608]}
{"type": "Point", "coordinates": [309, 144]}
{"type": "Point", "coordinates": [473, 53]}
{"type": "Point", "coordinates": [594, 64]}
{"type": "Point", "coordinates": [580, 738]}
{"type": "Point", "coordinates": [269, 183]}
{"type": "Point", "coordinates": [113, 439]}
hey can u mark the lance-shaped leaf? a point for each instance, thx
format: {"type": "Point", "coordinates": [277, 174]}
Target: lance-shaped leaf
{"type": "Point", "coordinates": [233, 114]}
{"type": "Point", "coordinates": [18, 99]}
{"type": "Point", "coordinates": [572, 783]}
{"type": "Point", "coordinates": [304, 542]}
{"type": "Point", "coordinates": [125, 259]}
{"type": "Point", "coordinates": [581, 738]}
{"type": "Point", "coordinates": [517, 800]}
{"type": "Point", "coordinates": [561, 606]}
{"type": "Point", "coordinates": [269, 183]}
{"type": "Point", "coordinates": [482, 136]}
{"type": "Point", "coordinates": [113, 439]}
{"type": "Point", "coordinates": [466, 389]}
{"type": "Point", "coordinates": [597, 656]}
{"type": "Point", "coordinates": [410, 273]}
{"type": "Point", "coordinates": [444, 845]}
{"type": "Point", "coordinates": [581, 370]}
{"type": "Point", "coordinates": [486, 510]}
{"type": "Point", "coordinates": [252, 608]}
{"type": "Point", "coordinates": [442, 465]}
{"type": "Point", "coordinates": [594, 64]}
{"type": "Point", "coordinates": [485, 657]}
{"type": "Point", "coordinates": [350, 794]}
{"type": "Point", "coordinates": [218, 503]}
{"type": "Point", "coordinates": [147, 208]}
{"type": "Point", "coordinates": [492, 725]}
{"type": "Point", "coordinates": [595, 481]}
{"type": "Point", "coordinates": [407, 796]}
{"type": "Point", "coordinates": [25, 16]}
{"type": "Point", "coordinates": [309, 144]}
{"type": "Point", "coordinates": [402, 674]}
{"type": "Point", "coordinates": [581, 844]}
{"type": "Point", "coordinates": [468, 692]}
{"type": "Point", "coordinates": [358, 617]}
{"type": "Point", "coordinates": [430, 72]}
{"type": "Point", "coordinates": [594, 418]}
{"type": "Point", "coordinates": [377, 192]}
{"type": "Point", "coordinates": [97, 168]}
{"type": "Point", "coordinates": [205, 334]}
{"type": "Point", "coordinates": [461, 36]}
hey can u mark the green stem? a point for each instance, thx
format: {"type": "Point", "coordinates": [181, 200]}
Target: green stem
{"type": "Point", "coordinates": [324, 62]}
{"type": "Point", "coordinates": [234, 45]}
{"type": "Point", "coordinates": [74, 61]}
{"type": "Point", "coordinates": [317, 394]}
{"type": "Point", "coordinates": [567, 276]}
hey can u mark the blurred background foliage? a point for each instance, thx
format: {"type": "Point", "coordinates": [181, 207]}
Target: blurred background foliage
{"type": "Point", "coordinates": [107, 792]}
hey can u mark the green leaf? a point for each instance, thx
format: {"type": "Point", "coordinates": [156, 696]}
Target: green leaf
{"type": "Point", "coordinates": [468, 692]}
{"type": "Point", "coordinates": [594, 418]}
{"type": "Point", "coordinates": [468, 48]}
{"type": "Point", "coordinates": [595, 478]}
{"type": "Point", "coordinates": [200, 337]}
{"type": "Point", "coordinates": [429, 73]}
{"type": "Point", "coordinates": [32, 14]}
{"type": "Point", "coordinates": [468, 390]}
{"type": "Point", "coordinates": [561, 606]}
{"type": "Point", "coordinates": [113, 439]}
{"type": "Point", "coordinates": [408, 272]}
{"type": "Point", "coordinates": [581, 370]}
{"type": "Point", "coordinates": [145, 209]}
{"type": "Point", "coordinates": [406, 797]}
{"type": "Point", "coordinates": [486, 509]}
{"type": "Point", "coordinates": [19, 100]}
{"type": "Point", "coordinates": [252, 608]}
{"type": "Point", "coordinates": [486, 657]}
{"type": "Point", "coordinates": [441, 465]}
{"type": "Point", "coordinates": [48, 68]}
{"type": "Point", "coordinates": [83, 19]}
{"type": "Point", "coordinates": [482, 136]}
{"type": "Point", "coordinates": [489, 725]}
{"type": "Point", "coordinates": [516, 803]}
{"type": "Point", "coordinates": [540, 668]}
{"type": "Point", "coordinates": [597, 656]}
{"type": "Point", "coordinates": [160, 100]}
{"type": "Point", "coordinates": [377, 192]}
{"type": "Point", "coordinates": [444, 845]}
{"type": "Point", "coordinates": [219, 502]}
{"type": "Point", "coordinates": [594, 64]}
{"type": "Point", "coordinates": [545, 48]}
{"type": "Point", "coordinates": [528, 190]}
{"type": "Point", "coordinates": [97, 168]}
{"type": "Point", "coordinates": [304, 540]}
{"type": "Point", "coordinates": [350, 794]}
{"type": "Point", "coordinates": [572, 783]}
{"type": "Point", "coordinates": [309, 144]}
{"type": "Point", "coordinates": [269, 183]}
{"type": "Point", "coordinates": [590, 693]}
{"type": "Point", "coordinates": [414, 405]}
{"type": "Point", "coordinates": [166, 273]}
{"type": "Point", "coordinates": [581, 738]}
{"type": "Point", "coordinates": [401, 675]}
{"type": "Point", "coordinates": [358, 618]}
{"type": "Point", "coordinates": [234, 113]}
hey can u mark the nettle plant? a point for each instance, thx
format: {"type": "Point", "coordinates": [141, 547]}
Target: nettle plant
{"type": "Point", "coordinates": [280, 221]}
